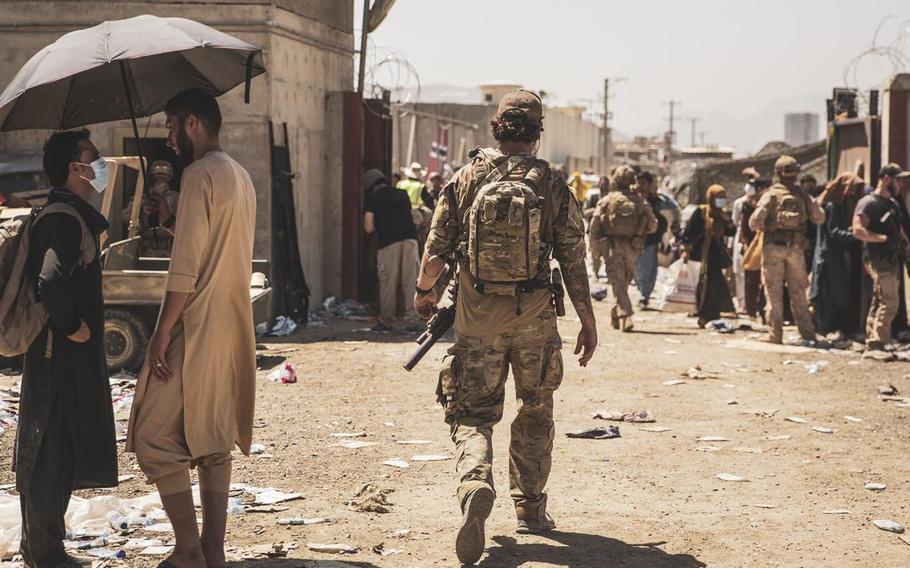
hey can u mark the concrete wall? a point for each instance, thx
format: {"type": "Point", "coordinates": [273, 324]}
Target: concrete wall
{"type": "Point", "coordinates": [308, 50]}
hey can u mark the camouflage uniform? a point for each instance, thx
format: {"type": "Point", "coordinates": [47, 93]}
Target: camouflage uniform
{"type": "Point", "coordinates": [496, 332]}
{"type": "Point", "coordinates": [621, 251]}
{"type": "Point", "coordinates": [783, 254]}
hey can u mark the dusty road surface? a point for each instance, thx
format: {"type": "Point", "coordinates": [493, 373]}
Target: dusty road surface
{"type": "Point", "coordinates": [648, 499]}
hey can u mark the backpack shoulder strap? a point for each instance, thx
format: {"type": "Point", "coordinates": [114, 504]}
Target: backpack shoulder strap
{"type": "Point", "coordinates": [87, 247]}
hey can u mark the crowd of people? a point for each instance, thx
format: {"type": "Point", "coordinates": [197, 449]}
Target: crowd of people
{"type": "Point", "coordinates": [829, 259]}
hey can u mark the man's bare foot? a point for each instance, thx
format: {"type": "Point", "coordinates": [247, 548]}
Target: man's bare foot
{"type": "Point", "coordinates": [186, 558]}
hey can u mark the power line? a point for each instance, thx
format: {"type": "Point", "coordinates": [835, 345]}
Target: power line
{"type": "Point", "coordinates": [670, 135]}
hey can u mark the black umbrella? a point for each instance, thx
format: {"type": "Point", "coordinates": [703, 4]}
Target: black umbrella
{"type": "Point", "coordinates": [124, 69]}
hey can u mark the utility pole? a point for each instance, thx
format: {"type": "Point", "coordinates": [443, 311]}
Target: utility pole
{"type": "Point", "coordinates": [694, 120]}
{"type": "Point", "coordinates": [606, 129]}
{"type": "Point", "coordinates": [670, 136]}
{"type": "Point", "coordinates": [606, 154]}
{"type": "Point", "coordinates": [361, 74]}
{"type": "Point", "coordinates": [702, 134]}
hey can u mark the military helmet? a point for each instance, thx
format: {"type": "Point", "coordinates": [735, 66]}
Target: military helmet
{"type": "Point", "coordinates": [623, 177]}
{"type": "Point", "coordinates": [161, 168]}
{"type": "Point", "coordinates": [786, 166]}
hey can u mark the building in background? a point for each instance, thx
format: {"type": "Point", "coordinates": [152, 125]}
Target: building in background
{"type": "Point", "coordinates": [569, 138]}
{"type": "Point", "coordinates": [801, 128]}
{"type": "Point", "coordinates": [308, 48]}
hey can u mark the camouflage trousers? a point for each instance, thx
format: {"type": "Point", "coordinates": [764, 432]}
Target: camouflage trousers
{"type": "Point", "coordinates": [472, 389]}
{"type": "Point", "coordinates": [620, 257]}
{"type": "Point", "coordinates": [786, 265]}
{"type": "Point", "coordinates": [885, 301]}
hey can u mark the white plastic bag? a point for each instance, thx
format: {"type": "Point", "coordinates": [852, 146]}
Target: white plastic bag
{"type": "Point", "coordinates": [678, 288]}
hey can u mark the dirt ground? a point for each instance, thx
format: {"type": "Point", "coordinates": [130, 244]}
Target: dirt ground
{"type": "Point", "coordinates": [647, 499]}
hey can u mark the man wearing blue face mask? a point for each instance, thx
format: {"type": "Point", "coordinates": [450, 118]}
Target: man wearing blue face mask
{"type": "Point", "coordinates": [65, 439]}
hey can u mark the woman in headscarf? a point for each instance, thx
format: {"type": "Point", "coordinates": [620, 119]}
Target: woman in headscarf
{"type": "Point", "coordinates": [837, 267]}
{"type": "Point", "coordinates": [704, 238]}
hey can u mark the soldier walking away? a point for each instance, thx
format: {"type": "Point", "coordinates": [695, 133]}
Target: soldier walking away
{"type": "Point", "coordinates": [66, 438]}
{"type": "Point", "coordinates": [877, 223]}
{"type": "Point", "coordinates": [499, 221]}
{"type": "Point", "coordinates": [621, 222]}
{"type": "Point", "coordinates": [783, 212]}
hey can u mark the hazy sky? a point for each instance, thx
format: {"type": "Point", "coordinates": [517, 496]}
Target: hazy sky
{"type": "Point", "coordinates": [738, 64]}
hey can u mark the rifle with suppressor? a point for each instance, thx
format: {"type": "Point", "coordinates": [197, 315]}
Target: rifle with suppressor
{"type": "Point", "coordinates": [440, 323]}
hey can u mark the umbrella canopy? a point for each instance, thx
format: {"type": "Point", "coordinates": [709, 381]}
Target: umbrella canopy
{"type": "Point", "coordinates": [124, 69]}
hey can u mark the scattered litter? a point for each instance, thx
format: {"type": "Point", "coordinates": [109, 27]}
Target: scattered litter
{"type": "Point", "coordinates": [266, 509]}
{"type": "Point", "coordinates": [875, 486]}
{"type": "Point", "coordinates": [401, 533]}
{"type": "Point", "coordinates": [383, 551]}
{"type": "Point", "coordinates": [257, 449]}
{"type": "Point", "coordinates": [285, 375]}
{"type": "Point", "coordinates": [732, 402]}
{"type": "Point", "coordinates": [640, 416]}
{"type": "Point", "coordinates": [332, 548]}
{"type": "Point", "coordinates": [106, 553]}
{"type": "Point", "coordinates": [764, 413]}
{"type": "Point", "coordinates": [708, 448]}
{"type": "Point", "coordinates": [353, 444]}
{"type": "Point", "coordinates": [836, 512]}
{"type": "Point", "coordinates": [796, 419]}
{"type": "Point", "coordinates": [655, 429]}
{"type": "Point", "coordinates": [764, 506]}
{"type": "Point", "coordinates": [778, 437]}
{"type": "Point", "coordinates": [271, 496]}
{"type": "Point", "coordinates": [599, 433]}
{"type": "Point", "coordinates": [121, 479]}
{"type": "Point", "coordinates": [156, 550]}
{"type": "Point", "coordinates": [282, 327]}
{"type": "Point", "coordinates": [712, 439]}
{"type": "Point", "coordinates": [673, 382]}
{"type": "Point", "coordinates": [730, 477]}
{"type": "Point", "coordinates": [262, 551]}
{"type": "Point", "coordinates": [370, 499]}
{"type": "Point", "coordinates": [852, 419]}
{"type": "Point", "coordinates": [721, 326]}
{"type": "Point", "coordinates": [888, 389]}
{"type": "Point", "coordinates": [749, 450]}
{"type": "Point", "coordinates": [350, 434]}
{"type": "Point", "coordinates": [816, 367]}
{"type": "Point", "coordinates": [430, 458]}
{"type": "Point", "coordinates": [698, 373]}
{"type": "Point", "coordinates": [300, 521]}
{"type": "Point", "coordinates": [397, 462]}
{"type": "Point", "coordinates": [413, 442]}
{"type": "Point", "coordinates": [823, 429]}
{"type": "Point", "coordinates": [889, 526]}
{"type": "Point", "coordinates": [599, 293]}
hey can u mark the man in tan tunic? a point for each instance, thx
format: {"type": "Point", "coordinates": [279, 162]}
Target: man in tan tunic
{"type": "Point", "coordinates": [194, 399]}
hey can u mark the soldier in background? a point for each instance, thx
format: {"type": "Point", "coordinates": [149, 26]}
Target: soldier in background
{"type": "Point", "coordinates": [621, 221]}
{"type": "Point", "coordinates": [505, 315]}
{"type": "Point", "coordinates": [783, 212]}
{"type": "Point", "coordinates": [877, 222]}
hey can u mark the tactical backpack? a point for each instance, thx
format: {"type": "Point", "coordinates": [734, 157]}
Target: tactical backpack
{"type": "Point", "coordinates": [791, 212]}
{"type": "Point", "coordinates": [621, 215]}
{"type": "Point", "coordinates": [504, 242]}
{"type": "Point", "coordinates": [21, 314]}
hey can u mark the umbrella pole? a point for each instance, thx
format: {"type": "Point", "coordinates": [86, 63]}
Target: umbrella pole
{"type": "Point", "coordinates": [129, 101]}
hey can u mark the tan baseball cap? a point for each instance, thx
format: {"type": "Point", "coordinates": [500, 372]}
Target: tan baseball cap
{"type": "Point", "coordinates": [522, 100]}
{"type": "Point", "coordinates": [893, 170]}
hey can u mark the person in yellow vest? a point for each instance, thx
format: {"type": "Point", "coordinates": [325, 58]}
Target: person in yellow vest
{"type": "Point", "coordinates": [579, 187]}
{"type": "Point", "coordinates": [412, 183]}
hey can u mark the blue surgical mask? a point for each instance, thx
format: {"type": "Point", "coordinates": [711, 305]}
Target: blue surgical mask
{"type": "Point", "coordinates": [720, 202]}
{"type": "Point", "coordinates": [102, 173]}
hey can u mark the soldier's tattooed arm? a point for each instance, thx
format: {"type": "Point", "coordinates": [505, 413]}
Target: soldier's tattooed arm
{"type": "Point", "coordinates": [575, 277]}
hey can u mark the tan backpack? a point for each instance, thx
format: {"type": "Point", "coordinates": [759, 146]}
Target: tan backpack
{"type": "Point", "coordinates": [621, 215]}
{"type": "Point", "coordinates": [21, 314]}
{"type": "Point", "coordinates": [790, 214]}
{"type": "Point", "coordinates": [504, 243]}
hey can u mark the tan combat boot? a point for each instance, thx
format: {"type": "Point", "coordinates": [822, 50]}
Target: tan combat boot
{"type": "Point", "coordinates": [614, 317]}
{"type": "Point", "coordinates": [536, 520]}
{"type": "Point", "coordinates": [469, 544]}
